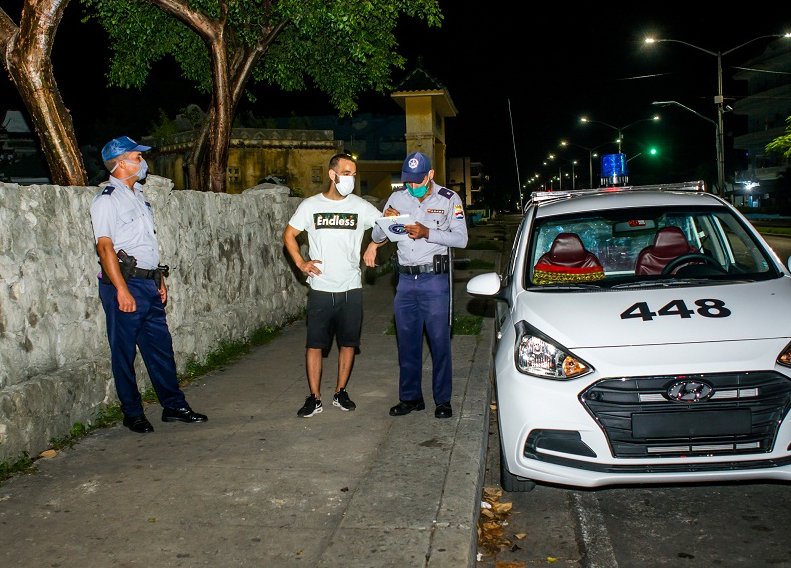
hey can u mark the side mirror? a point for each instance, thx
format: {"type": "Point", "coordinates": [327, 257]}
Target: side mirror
{"type": "Point", "coordinates": [488, 284]}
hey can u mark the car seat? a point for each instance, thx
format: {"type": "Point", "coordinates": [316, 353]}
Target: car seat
{"type": "Point", "coordinates": [567, 261]}
{"type": "Point", "coordinates": [669, 243]}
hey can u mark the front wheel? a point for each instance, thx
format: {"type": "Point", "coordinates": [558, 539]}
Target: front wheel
{"type": "Point", "coordinates": [510, 482]}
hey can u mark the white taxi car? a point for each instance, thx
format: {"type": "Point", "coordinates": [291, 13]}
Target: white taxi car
{"type": "Point", "coordinates": [643, 336]}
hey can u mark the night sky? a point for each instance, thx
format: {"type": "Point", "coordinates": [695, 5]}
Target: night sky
{"type": "Point", "coordinates": [551, 67]}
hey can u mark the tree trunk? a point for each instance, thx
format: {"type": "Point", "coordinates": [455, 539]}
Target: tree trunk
{"type": "Point", "coordinates": [208, 161]}
{"type": "Point", "coordinates": [27, 59]}
{"type": "Point", "coordinates": [209, 155]}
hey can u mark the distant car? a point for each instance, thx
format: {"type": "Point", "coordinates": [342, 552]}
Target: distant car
{"type": "Point", "coordinates": [643, 335]}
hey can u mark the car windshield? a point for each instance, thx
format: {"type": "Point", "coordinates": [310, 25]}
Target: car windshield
{"type": "Point", "coordinates": [644, 246]}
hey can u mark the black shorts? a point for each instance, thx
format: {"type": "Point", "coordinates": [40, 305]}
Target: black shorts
{"type": "Point", "coordinates": [334, 314]}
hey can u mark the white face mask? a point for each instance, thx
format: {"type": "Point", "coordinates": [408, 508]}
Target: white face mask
{"type": "Point", "coordinates": [344, 184]}
{"type": "Point", "coordinates": [142, 169]}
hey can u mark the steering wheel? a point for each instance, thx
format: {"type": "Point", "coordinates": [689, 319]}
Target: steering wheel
{"type": "Point", "coordinates": [691, 258]}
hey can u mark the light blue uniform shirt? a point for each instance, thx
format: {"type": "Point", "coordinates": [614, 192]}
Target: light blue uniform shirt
{"type": "Point", "coordinates": [442, 213]}
{"type": "Point", "coordinates": [124, 215]}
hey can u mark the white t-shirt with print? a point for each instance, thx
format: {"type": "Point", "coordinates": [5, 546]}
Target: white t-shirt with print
{"type": "Point", "coordinates": [335, 235]}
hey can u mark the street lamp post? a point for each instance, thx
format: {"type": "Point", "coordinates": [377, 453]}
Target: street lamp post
{"type": "Point", "coordinates": [591, 154]}
{"type": "Point", "coordinates": [573, 164]}
{"type": "Point", "coordinates": [619, 129]}
{"type": "Point", "coordinates": [717, 133]}
{"type": "Point", "coordinates": [719, 98]}
{"type": "Point", "coordinates": [560, 171]}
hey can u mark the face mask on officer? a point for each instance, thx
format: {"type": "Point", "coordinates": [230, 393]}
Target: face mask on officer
{"type": "Point", "coordinates": [418, 191]}
{"type": "Point", "coordinates": [344, 184]}
{"type": "Point", "coordinates": [142, 169]}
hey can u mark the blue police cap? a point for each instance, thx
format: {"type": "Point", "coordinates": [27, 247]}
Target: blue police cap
{"type": "Point", "coordinates": [415, 167]}
{"type": "Point", "coordinates": [121, 145]}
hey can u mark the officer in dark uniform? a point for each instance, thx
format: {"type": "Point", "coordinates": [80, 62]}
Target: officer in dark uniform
{"type": "Point", "coordinates": [132, 288]}
{"type": "Point", "coordinates": [422, 301]}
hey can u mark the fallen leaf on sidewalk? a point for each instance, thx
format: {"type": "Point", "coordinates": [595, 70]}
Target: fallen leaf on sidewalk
{"type": "Point", "coordinates": [493, 517]}
{"type": "Point", "coordinates": [48, 454]}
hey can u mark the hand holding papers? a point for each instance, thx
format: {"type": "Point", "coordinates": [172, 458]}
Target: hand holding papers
{"type": "Point", "coordinates": [394, 227]}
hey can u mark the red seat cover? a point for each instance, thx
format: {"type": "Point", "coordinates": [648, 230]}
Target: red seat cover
{"type": "Point", "coordinates": [567, 261]}
{"type": "Point", "coordinates": [669, 243]}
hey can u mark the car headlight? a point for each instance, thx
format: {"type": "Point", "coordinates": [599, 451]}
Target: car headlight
{"type": "Point", "coordinates": [784, 358]}
{"type": "Point", "coordinates": [537, 355]}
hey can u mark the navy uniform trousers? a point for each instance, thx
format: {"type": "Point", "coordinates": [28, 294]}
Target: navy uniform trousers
{"type": "Point", "coordinates": [423, 300]}
{"type": "Point", "coordinates": [146, 328]}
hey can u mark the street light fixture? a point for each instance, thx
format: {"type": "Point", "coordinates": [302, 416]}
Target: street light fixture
{"type": "Point", "coordinates": [619, 129]}
{"type": "Point", "coordinates": [717, 132]}
{"type": "Point", "coordinates": [573, 164]}
{"type": "Point", "coordinates": [591, 154]}
{"type": "Point", "coordinates": [560, 170]}
{"type": "Point", "coordinates": [719, 98]}
{"type": "Point", "coordinates": [573, 175]}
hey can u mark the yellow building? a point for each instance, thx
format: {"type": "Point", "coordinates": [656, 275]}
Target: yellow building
{"type": "Point", "coordinates": [298, 157]}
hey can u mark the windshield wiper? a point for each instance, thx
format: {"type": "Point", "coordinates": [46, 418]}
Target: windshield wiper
{"type": "Point", "coordinates": [577, 286]}
{"type": "Point", "coordinates": [667, 283]}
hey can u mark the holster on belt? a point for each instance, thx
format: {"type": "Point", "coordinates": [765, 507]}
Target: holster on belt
{"type": "Point", "coordinates": [126, 263]}
{"type": "Point", "coordinates": [162, 270]}
{"type": "Point", "coordinates": [441, 263]}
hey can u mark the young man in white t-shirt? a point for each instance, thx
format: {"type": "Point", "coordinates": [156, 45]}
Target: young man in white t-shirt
{"type": "Point", "coordinates": [335, 221]}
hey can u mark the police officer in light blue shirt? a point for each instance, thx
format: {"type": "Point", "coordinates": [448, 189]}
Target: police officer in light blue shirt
{"type": "Point", "coordinates": [422, 300]}
{"type": "Point", "coordinates": [133, 290]}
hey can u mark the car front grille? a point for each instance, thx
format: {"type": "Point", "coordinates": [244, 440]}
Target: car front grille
{"type": "Point", "coordinates": [723, 414]}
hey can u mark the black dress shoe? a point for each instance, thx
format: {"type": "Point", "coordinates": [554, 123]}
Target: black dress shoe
{"type": "Point", "coordinates": [406, 406]}
{"type": "Point", "coordinates": [185, 414]}
{"type": "Point", "coordinates": [139, 424]}
{"type": "Point", "coordinates": [443, 410]}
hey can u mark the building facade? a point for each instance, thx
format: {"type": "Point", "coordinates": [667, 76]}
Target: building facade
{"type": "Point", "coordinates": [765, 179]}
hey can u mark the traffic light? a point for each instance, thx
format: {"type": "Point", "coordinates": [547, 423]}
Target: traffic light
{"type": "Point", "coordinates": [653, 151]}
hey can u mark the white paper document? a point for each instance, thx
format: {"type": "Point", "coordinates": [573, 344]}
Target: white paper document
{"type": "Point", "coordinates": [394, 226]}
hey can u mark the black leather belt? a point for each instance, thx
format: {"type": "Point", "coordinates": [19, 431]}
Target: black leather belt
{"type": "Point", "coordinates": [143, 273]}
{"type": "Point", "coordinates": [417, 269]}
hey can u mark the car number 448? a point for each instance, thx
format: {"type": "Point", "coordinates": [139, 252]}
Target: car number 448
{"type": "Point", "coordinates": [706, 307]}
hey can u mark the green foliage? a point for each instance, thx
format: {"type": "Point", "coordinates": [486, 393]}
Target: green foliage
{"type": "Point", "coordinates": [108, 416]}
{"type": "Point", "coordinates": [164, 126]}
{"type": "Point", "coordinates": [478, 264]}
{"type": "Point", "coordinates": [149, 395]}
{"type": "Point", "coordinates": [341, 48]}
{"type": "Point", "coordinates": [230, 350]}
{"type": "Point", "coordinates": [23, 465]}
{"type": "Point", "coordinates": [462, 325]}
{"type": "Point", "coordinates": [772, 230]}
{"type": "Point", "coordinates": [782, 144]}
{"type": "Point", "coordinates": [77, 431]}
{"type": "Point", "coordinates": [485, 245]}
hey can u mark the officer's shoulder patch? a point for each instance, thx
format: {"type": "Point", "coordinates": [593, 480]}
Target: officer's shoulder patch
{"type": "Point", "coordinates": [445, 192]}
{"type": "Point", "coordinates": [108, 190]}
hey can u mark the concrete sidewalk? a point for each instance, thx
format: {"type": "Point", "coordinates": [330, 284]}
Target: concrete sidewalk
{"type": "Point", "coordinates": [258, 486]}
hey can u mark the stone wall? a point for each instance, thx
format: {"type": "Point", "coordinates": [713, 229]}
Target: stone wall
{"type": "Point", "coordinates": [229, 276]}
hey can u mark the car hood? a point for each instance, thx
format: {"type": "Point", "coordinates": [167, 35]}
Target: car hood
{"type": "Point", "coordinates": [651, 316]}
